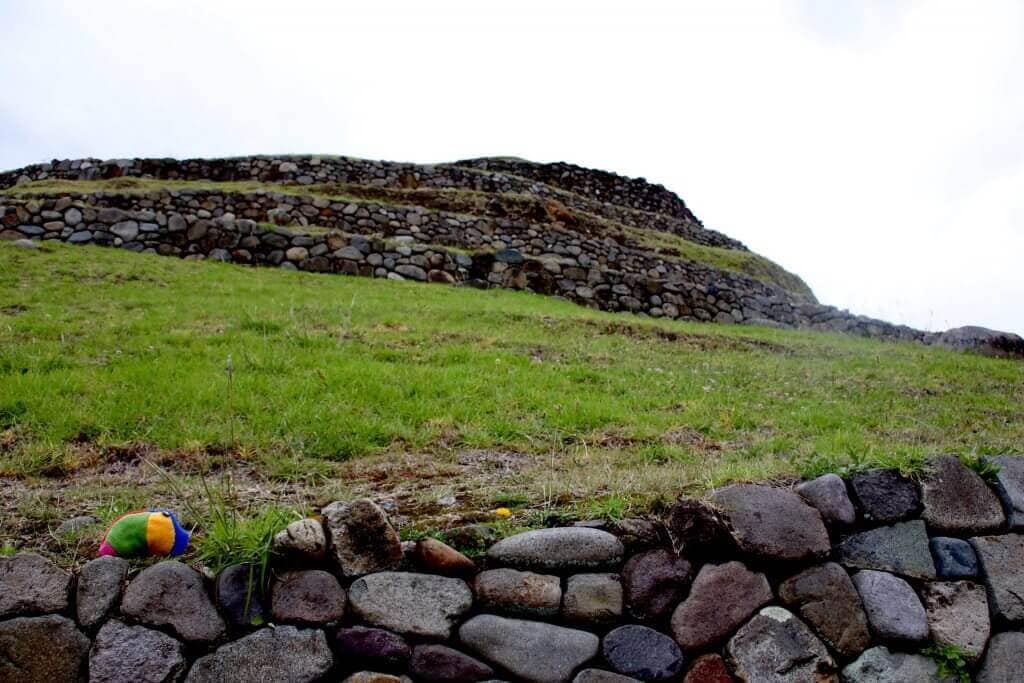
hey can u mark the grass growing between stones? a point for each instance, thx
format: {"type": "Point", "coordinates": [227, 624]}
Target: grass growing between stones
{"type": "Point", "coordinates": [448, 402]}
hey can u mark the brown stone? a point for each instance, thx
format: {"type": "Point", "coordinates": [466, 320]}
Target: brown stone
{"type": "Point", "coordinates": [709, 669]}
{"type": "Point", "coordinates": [957, 501]}
{"type": "Point", "coordinates": [722, 598]}
{"type": "Point", "coordinates": [434, 556]}
{"type": "Point", "coordinates": [827, 600]}
{"type": "Point", "coordinates": [655, 582]}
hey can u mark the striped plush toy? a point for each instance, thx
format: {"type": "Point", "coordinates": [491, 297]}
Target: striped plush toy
{"type": "Point", "coordinates": [146, 532]}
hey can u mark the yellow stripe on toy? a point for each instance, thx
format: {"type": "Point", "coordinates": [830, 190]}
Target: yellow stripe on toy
{"type": "Point", "coordinates": [146, 532]}
{"type": "Point", "coordinates": [159, 534]}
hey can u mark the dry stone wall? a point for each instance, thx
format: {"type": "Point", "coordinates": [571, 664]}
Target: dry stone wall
{"type": "Point", "coordinates": [860, 579]}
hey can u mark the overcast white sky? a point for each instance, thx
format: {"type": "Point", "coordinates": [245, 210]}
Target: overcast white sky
{"type": "Point", "coordinates": [874, 148]}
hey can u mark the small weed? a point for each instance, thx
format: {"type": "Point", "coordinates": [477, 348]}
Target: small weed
{"type": "Point", "coordinates": [611, 508]}
{"type": "Point", "coordinates": [8, 550]}
{"type": "Point", "coordinates": [986, 468]}
{"type": "Point", "coordinates": [952, 661]}
{"type": "Point", "coordinates": [509, 499]}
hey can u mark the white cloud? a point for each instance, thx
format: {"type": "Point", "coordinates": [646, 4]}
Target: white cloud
{"type": "Point", "coordinates": [874, 148]}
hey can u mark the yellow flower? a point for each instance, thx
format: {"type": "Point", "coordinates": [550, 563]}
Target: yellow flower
{"type": "Point", "coordinates": [503, 512]}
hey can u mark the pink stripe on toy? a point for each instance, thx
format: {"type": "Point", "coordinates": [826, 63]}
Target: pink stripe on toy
{"type": "Point", "coordinates": [107, 549]}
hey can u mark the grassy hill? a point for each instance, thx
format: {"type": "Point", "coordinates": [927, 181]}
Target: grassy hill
{"type": "Point", "coordinates": [115, 392]}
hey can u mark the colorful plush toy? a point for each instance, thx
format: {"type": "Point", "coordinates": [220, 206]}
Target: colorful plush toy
{"type": "Point", "coordinates": [146, 532]}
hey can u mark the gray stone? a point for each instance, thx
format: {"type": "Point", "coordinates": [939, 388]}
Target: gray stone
{"type": "Point", "coordinates": [134, 653]}
{"type": "Point", "coordinates": [111, 215]}
{"type": "Point", "coordinates": [722, 597]}
{"type": "Point", "coordinates": [563, 548]}
{"type": "Point", "coordinates": [642, 652]}
{"type": "Point", "coordinates": [533, 651]}
{"type": "Point", "coordinates": [599, 676]}
{"type": "Point", "coordinates": [1003, 661]}
{"type": "Point", "coordinates": [654, 582]}
{"type": "Point", "coordinates": [73, 216]}
{"type": "Point", "coordinates": [442, 664]}
{"type": "Point", "coordinates": [901, 548]}
{"type": "Point", "coordinates": [894, 610]}
{"type": "Point", "coordinates": [371, 648]}
{"type": "Point", "coordinates": [375, 677]}
{"type": "Point", "coordinates": [957, 615]}
{"type": "Point", "coordinates": [303, 540]}
{"type": "Point", "coordinates": [411, 272]}
{"type": "Point", "coordinates": [592, 599]}
{"type": "Point", "coordinates": [172, 594]}
{"type": "Point", "coordinates": [360, 538]}
{"type": "Point", "coordinates": [25, 244]}
{"type": "Point", "coordinates": [126, 230]}
{"type": "Point", "coordinates": [311, 597]}
{"type": "Point", "coordinates": [297, 254]}
{"type": "Point", "coordinates": [284, 653]}
{"type": "Point", "coordinates": [417, 604]}
{"type": "Point", "coordinates": [1001, 559]}
{"type": "Point", "coordinates": [80, 237]}
{"type": "Point", "coordinates": [31, 584]}
{"type": "Point", "coordinates": [350, 253]}
{"type": "Point", "coordinates": [773, 524]}
{"type": "Point", "coordinates": [954, 558]}
{"type": "Point", "coordinates": [776, 646]}
{"type": "Point", "coordinates": [982, 340]}
{"type": "Point", "coordinates": [100, 585]}
{"type": "Point", "coordinates": [43, 649]}
{"type": "Point", "coordinates": [957, 500]}
{"type": "Point", "coordinates": [176, 223]}
{"type": "Point", "coordinates": [75, 525]}
{"type": "Point", "coordinates": [885, 496]}
{"type": "Point", "coordinates": [1010, 487]}
{"type": "Point", "coordinates": [827, 494]}
{"type": "Point", "coordinates": [509, 256]}
{"type": "Point", "coordinates": [879, 665]}
{"type": "Point", "coordinates": [826, 598]}
{"type": "Point", "coordinates": [237, 591]}
{"type": "Point", "coordinates": [519, 593]}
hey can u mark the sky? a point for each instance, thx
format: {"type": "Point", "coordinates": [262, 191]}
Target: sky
{"type": "Point", "coordinates": [875, 148]}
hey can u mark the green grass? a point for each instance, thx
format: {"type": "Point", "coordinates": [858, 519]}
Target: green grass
{"type": "Point", "coordinates": [343, 386]}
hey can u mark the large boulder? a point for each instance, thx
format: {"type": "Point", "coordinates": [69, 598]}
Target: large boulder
{"type": "Point", "coordinates": [100, 585]}
{"type": "Point", "coordinates": [776, 646]}
{"type": "Point", "coordinates": [311, 597]}
{"type": "Point", "coordinates": [826, 598]}
{"type": "Point", "coordinates": [442, 664]}
{"type": "Point", "coordinates": [885, 496]}
{"type": "Point", "coordinates": [416, 604]}
{"type": "Point", "coordinates": [957, 615]}
{"type": "Point", "coordinates": [41, 650]}
{"type": "Point", "coordinates": [361, 539]}
{"type": "Point", "coordinates": [982, 340]}
{"type": "Point", "coordinates": [654, 582]}
{"type": "Point", "coordinates": [773, 524]}
{"type": "Point", "coordinates": [135, 653]}
{"type": "Point", "coordinates": [879, 664]}
{"type": "Point", "coordinates": [31, 584]}
{"type": "Point", "coordinates": [532, 650]}
{"type": "Point", "coordinates": [1001, 559]}
{"type": "Point", "coordinates": [643, 653]}
{"type": "Point", "coordinates": [722, 598]}
{"type": "Point", "coordinates": [901, 548]}
{"type": "Point", "coordinates": [171, 594]}
{"type": "Point", "coordinates": [957, 501]}
{"type": "Point", "coordinates": [518, 593]}
{"type": "Point", "coordinates": [893, 608]}
{"type": "Point", "coordinates": [559, 549]}
{"type": "Point", "coordinates": [284, 653]}
{"type": "Point", "coordinates": [1003, 661]}
{"type": "Point", "coordinates": [1010, 487]}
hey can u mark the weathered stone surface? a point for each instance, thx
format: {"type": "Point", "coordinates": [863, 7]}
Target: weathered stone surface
{"type": "Point", "coordinates": [374, 677]}
{"type": "Point", "coordinates": [699, 530]}
{"type": "Point", "coordinates": [957, 615]}
{"type": "Point", "coordinates": [434, 556]}
{"type": "Point", "coordinates": [643, 653]}
{"type": "Point", "coordinates": [75, 525]}
{"type": "Point", "coordinates": [827, 494]}
{"type": "Point", "coordinates": [826, 598]}
{"type": "Point", "coordinates": [312, 597]}
{"type": "Point", "coordinates": [776, 646]}
{"type": "Point", "coordinates": [31, 584]}
{"type": "Point", "coordinates": [1003, 661]}
{"type": "Point", "coordinates": [1001, 559]}
{"type": "Point", "coordinates": [563, 548]}
{"type": "Point", "coordinates": [1010, 487]}
{"type": "Point", "coordinates": [654, 582]}
{"type": "Point", "coordinates": [100, 584]}
{"type": "Point", "coordinates": [303, 540]}
{"type": "Point", "coordinates": [983, 341]}
{"type": "Point", "coordinates": [371, 648]}
{"type": "Point", "coordinates": [441, 664]}
{"type": "Point", "coordinates": [360, 538]}
{"type": "Point", "coordinates": [638, 534]}
{"type": "Point", "coordinates": [885, 496]}
{"type": "Point", "coordinates": [954, 558]}
{"type": "Point", "coordinates": [126, 230]}
{"type": "Point", "coordinates": [957, 500]}
{"type": "Point", "coordinates": [417, 604]}
{"type": "Point", "coordinates": [41, 650]}
{"type": "Point", "coordinates": [134, 653]}
{"type": "Point", "coordinates": [879, 664]}
{"type": "Point", "coordinates": [284, 653]}
{"type": "Point", "coordinates": [901, 548]}
{"type": "Point", "coordinates": [892, 606]}
{"type": "Point", "coordinates": [519, 593]}
{"type": "Point", "coordinates": [599, 676]}
{"type": "Point", "coordinates": [237, 592]}
{"type": "Point", "coordinates": [709, 668]}
{"type": "Point", "coordinates": [773, 524]}
{"type": "Point", "coordinates": [171, 594]}
{"type": "Point", "coordinates": [723, 597]}
{"type": "Point", "coordinates": [531, 650]}
{"type": "Point", "coordinates": [592, 598]}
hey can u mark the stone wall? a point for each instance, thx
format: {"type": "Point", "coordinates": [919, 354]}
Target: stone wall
{"type": "Point", "coordinates": [829, 580]}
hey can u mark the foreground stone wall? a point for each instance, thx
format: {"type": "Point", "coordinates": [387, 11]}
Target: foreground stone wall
{"type": "Point", "coordinates": [830, 580]}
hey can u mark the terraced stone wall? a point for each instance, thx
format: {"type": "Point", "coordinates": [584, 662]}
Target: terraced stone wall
{"type": "Point", "coordinates": [861, 580]}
